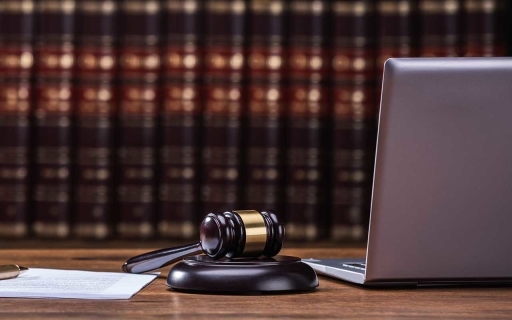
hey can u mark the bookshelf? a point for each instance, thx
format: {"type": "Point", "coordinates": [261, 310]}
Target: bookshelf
{"type": "Point", "coordinates": [132, 119]}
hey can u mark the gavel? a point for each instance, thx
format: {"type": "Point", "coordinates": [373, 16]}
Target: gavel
{"type": "Point", "coordinates": [232, 234]}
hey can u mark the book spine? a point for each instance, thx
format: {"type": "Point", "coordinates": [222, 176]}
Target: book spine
{"type": "Point", "coordinates": [180, 119]}
{"type": "Point", "coordinates": [224, 66]}
{"type": "Point", "coordinates": [16, 60]}
{"type": "Point", "coordinates": [307, 120]}
{"type": "Point", "coordinates": [485, 33]}
{"type": "Point", "coordinates": [265, 151]}
{"type": "Point", "coordinates": [440, 34]}
{"type": "Point", "coordinates": [353, 96]}
{"type": "Point", "coordinates": [95, 109]}
{"type": "Point", "coordinates": [397, 32]}
{"type": "Point", "coordinates": [54, 51]}
{"type": "Point", "coordinates": [139, 66]}
{"type": "Point", "coordinates": [508, 27]}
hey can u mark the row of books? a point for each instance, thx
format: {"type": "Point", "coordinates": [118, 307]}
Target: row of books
{"type": "Point", "coordinates": [135, 118]}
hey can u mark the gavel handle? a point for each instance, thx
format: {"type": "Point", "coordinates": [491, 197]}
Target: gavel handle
{"type": "Point", "coordinates": [159, 258]}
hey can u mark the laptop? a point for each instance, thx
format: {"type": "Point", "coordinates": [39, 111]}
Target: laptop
{"type": "Point", "coordinates": [441, 209]}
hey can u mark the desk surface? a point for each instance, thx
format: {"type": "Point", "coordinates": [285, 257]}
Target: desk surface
{"type": "Point", "coordinates": [332, 299]}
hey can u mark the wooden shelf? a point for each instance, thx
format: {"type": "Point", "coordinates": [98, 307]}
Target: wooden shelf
{"type": "Point", "coordinates": [119, 244]}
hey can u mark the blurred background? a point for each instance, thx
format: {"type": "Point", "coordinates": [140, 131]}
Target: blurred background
{"type": "Point", "coordinates": [126, 122]}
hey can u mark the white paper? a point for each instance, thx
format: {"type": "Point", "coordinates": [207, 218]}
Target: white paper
{"type": "Point", "coordinates": [72, 284]}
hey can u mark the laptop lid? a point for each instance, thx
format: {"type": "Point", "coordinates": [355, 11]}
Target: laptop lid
{"type": "Point", "coordinates": [442, 197]}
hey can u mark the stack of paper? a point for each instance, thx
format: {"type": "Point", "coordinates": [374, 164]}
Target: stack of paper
{"type": "Point", "coordinates": [71, 284]}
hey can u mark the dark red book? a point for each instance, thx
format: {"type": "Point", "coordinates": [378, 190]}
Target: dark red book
{"type": "Point", "coordinates": [307, 120]}
{"type": "Point", "coordinates": [485, 33]}
{"type": "Point", "coordinates": [180, 119]}
{"type": "Point", "coordinates": [353, 132]}
{"type": "Point", "coordinates": [508, 27]}
{"type": "Point", "coordinates": [440, 24]}
{"type": "Point", "coordinates": [266, 65]}
{"type": "Point", "coordinates": [54, 51]}
{"type": "Point", "coordinates": [139, 66]}
{"type": "Point", "coordinates": [95, 109]}
{"type": "Point", "coordinates": [396, 32]}
{"type": "Point", "coordinates": [16, 60]}
{"type": "Point", "coordinates": [224, 66]}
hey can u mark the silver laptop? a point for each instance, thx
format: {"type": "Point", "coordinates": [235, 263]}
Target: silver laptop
{"type": "Point", "coordinates": [442, 190]}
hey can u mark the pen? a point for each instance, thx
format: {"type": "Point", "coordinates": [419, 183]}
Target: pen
{"type": "Point", "coordinates": [11, 271]}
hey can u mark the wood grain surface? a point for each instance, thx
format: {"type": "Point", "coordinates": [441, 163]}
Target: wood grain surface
{"type": "Point", "coordinates": [332, 299]}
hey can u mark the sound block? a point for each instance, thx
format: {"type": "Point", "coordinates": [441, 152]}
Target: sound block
{"type": "Point", "coordinates": [242, 275]}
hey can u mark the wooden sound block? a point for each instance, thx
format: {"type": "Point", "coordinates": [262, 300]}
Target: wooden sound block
{"type": "Point", "coordinates": [242, 275]}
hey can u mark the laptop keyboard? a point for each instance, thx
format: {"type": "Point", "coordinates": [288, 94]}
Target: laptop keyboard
{"type": "Point", "coordinates": [358, 266]}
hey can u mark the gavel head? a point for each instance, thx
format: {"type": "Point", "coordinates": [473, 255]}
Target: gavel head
{"type": "Point", "coordinates": [242, 233]}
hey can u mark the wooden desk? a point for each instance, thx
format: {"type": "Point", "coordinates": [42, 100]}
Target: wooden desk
{"type": "Point", "coordinates": [333, 299]}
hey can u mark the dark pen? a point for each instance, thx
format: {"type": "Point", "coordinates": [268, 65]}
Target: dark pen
{"type": "Point", "coordinates": [11, 271]}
